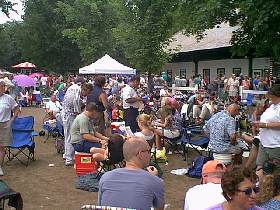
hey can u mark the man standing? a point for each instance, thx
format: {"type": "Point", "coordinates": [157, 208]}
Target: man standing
{"type": "Point", "coordinates": [71, 108]}
{"type": "Point", "coordinates": [221, 128]}
{"type": "Point", "coordinates": [210, 189]}
{"type": "Point", "coordinates": [133, 187]}
{"type": "Point", "coordinates": [131, 103]}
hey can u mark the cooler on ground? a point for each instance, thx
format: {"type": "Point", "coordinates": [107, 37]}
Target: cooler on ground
{"type": "Point", "coordinates": [84, 163]}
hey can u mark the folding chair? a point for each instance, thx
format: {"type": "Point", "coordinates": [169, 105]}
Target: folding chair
{"type": "Point", "coordinates": [23, 140]}
{"type": "Point", "coordinates": [115, 158]}
{"type": "Point", "coordinates": [199, 144]}
{"type": "Point", "coordinates": [6, 193]}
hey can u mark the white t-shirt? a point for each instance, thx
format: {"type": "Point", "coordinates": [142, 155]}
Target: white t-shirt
{"type": "Point", "coordinates": [270, 137]}
{"type": "Point", "coordinates": [147, 138]}
{"type": "Point", "coordinates": [163, 92]}
{"type": "Point", "coordinates": [44, 81]}
{"type": "Point", "coordinates": [129, 92]}
{"type": "Point", "coordinates": [203, 196]}
{"type": "Point", "coordinates": [54, 106]}
{"type": "Point", "coordinates": [7, 104]}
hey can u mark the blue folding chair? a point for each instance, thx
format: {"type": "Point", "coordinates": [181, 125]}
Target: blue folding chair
{"type": "Point", "coordinates": [22, 140]}
{"type": "Point", "coordinates": [198, 144]}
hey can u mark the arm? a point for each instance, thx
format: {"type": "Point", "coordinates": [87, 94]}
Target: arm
{"type": "Point", "coordinates": [270, 125]}
{"type": "Point", "coordinates": [90, 137]}
{"type": "Point", "coordinates": [132, 100]}
{"type": "Point", "coordinates": [100, 136]}
{"type": "Point", "coordinates": [104, 99]}
{"type": "Point", "coordinates": [16, 111]}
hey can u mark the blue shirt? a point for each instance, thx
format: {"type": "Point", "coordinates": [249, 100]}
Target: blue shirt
{"type": "Point", "coordinates": [136, 189]}
{"type": "Point", "coordinates": [220, 127]}
{"type": "Point", "coordinates": [271, 204]}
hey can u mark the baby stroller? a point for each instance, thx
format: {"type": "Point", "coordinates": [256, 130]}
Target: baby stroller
{"type": "Point", "coordinates": [54, 128]}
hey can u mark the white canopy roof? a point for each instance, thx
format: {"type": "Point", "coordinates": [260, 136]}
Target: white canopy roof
{"type": "Point", "coordinates": [106, 65]}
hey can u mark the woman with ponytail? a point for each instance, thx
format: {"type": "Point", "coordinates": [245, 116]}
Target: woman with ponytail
{"type": "Point", "coordinates": [146, 129]}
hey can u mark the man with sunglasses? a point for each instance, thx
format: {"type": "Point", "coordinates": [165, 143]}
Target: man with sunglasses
{"type": "Point", "coordinates": [133, 187]}
{"type": "Point", "coordinates": [210, 189]}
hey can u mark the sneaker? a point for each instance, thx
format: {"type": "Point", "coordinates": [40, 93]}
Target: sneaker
{"type": "Point", "coordinates": [1, 172]}
{"type": "Point", "coordinates": [69, 163]}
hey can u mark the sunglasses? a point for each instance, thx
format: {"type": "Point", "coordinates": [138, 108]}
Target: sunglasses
{"type": "Point", "coordinates": [250, 190]}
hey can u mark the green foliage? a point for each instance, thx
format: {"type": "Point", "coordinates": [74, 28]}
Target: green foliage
{"type": "Point", "coordinates": [258, 34]}
{"type": "Point", "coordinates": [145, 31]}
{"type": "Point", "coordinates": [89, 24]}
{"type": "Point", "coordinates": [6, 6]}
{"type": "Point", "coordinates": [41, 38]}
{"type": "Point", "coordinates": [9, 50]}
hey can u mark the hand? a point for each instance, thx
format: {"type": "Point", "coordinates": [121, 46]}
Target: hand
{"type": "Point", "coordinates": [152, 170]}
{"type": "Point", "coordinates": [103, 142]}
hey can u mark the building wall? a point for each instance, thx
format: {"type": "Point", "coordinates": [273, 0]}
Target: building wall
{"type": "Point", "coordinates": [229, 66]}
{"type": "Point", "coordinates": [188, 67]}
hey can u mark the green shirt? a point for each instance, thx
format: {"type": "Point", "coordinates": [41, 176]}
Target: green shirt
{"type": "Point", "coordinates": [80, 126]}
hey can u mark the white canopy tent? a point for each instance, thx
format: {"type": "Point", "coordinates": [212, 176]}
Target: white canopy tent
{"type": "Point", "coordinates": [106, 65]}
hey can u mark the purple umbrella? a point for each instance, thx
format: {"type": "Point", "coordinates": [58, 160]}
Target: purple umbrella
{"type": "Point", "coordinates": [24, 80]}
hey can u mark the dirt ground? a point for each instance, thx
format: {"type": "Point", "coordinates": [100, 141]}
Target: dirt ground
{"type": "Point", "coordinates": [52, 188]}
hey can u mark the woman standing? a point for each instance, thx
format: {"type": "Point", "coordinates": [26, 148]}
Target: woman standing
{"type": "Point", "coordinates": [7, 106]}
{"type": "Point", "coordinates": [269, 125]}
{"type": "Point", "coordinates": [99, 97]}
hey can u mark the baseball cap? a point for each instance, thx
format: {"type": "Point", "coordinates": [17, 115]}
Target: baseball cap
{"type": "Point", "coordinates": [213, 166]}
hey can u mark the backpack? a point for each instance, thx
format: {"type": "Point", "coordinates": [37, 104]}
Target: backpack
{"type": "Point", "coordinates": [195, 171]}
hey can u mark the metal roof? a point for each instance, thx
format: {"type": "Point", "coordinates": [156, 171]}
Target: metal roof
{"type": "Point", "coordinates": [217, 37]}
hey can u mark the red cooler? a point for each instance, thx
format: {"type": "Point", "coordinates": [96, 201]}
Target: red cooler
{"type": "Point", "coordinates": [84, 163]}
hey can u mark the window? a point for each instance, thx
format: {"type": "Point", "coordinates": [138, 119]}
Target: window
{"type": "Point", "coordinates": [183, 74]}
{"type": "Point", "coordinates": [257, 72]}
{"type": "Point", "coordinates": [221, 72]}
{"type": "Point", "coordinates": [236, 71]}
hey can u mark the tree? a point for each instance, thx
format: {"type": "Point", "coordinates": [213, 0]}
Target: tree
{"type": "Point", "coordinates": [258, 33]}
{"type": "Point", "coordinates": [9, 50]}
{"type": "Point", "coordinates": [89, 24]}
{"type": "Point", "coordinates": [145, 30]}
{"type": "Point", "coordinates": [41, 39]}
{"type": "Point", "coordinates": [6, 6]}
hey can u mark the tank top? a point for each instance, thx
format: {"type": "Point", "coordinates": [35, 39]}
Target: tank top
{"type": "Point", "coordinates": [94, 97]}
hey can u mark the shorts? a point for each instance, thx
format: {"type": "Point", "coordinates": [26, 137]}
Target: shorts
{"type": "Point", "coordinates": [85, 146]}
{"type": "Point", "coordinates": [266, 153]}
{"type": "Point", "coordinates": [171, 134]}
{"type": "Point", "coordinates": [6, 133]}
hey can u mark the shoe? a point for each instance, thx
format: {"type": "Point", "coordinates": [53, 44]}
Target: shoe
{"type": "Point", "coordinates": [1, 172]}
{"type": "Point", "coordinates": [69, 163]}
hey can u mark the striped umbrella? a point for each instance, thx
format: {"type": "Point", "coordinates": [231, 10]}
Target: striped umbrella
{"type": "Point", "coordinates": [25, 65]}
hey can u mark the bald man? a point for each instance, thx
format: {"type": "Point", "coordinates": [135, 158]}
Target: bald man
{"type": "Point", "coordinates": [132, 186]}
{"type": "Point", "coordinates": [222, 130]}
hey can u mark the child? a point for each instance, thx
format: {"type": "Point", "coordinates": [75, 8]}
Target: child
{"type": "Point", "coordinates": [114, 149]}
{"type": "Point", "coordinates": [169, 126]}
{"type": "Point", "coordinates": [145, 124]}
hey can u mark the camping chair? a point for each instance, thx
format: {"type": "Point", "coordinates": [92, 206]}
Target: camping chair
{"type": "Point", "coordinates": [6, 193]}
{"type": "Point", "coordinates": [94, 207]}
{"type": "Point", "coordinates": [23, 139]}
{"type": "Point", "coordinates": [37, 99]}
{"type": "Point", "coordinates": [115, 157]}
{"type": "Point", "coordinates": [199, 144]}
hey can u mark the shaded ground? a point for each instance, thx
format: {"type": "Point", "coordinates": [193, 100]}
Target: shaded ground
{"type": "Point", "coordinates": [52, 188]}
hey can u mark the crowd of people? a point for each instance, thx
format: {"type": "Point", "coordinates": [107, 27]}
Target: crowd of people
{"type": "Point", "coordinates": [87, 105]}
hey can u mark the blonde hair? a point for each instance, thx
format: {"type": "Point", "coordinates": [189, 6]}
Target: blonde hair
{"type": "Point", "coordinates": [165, 111]}
{"type": "Point", "coordinates": [145, 120]}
